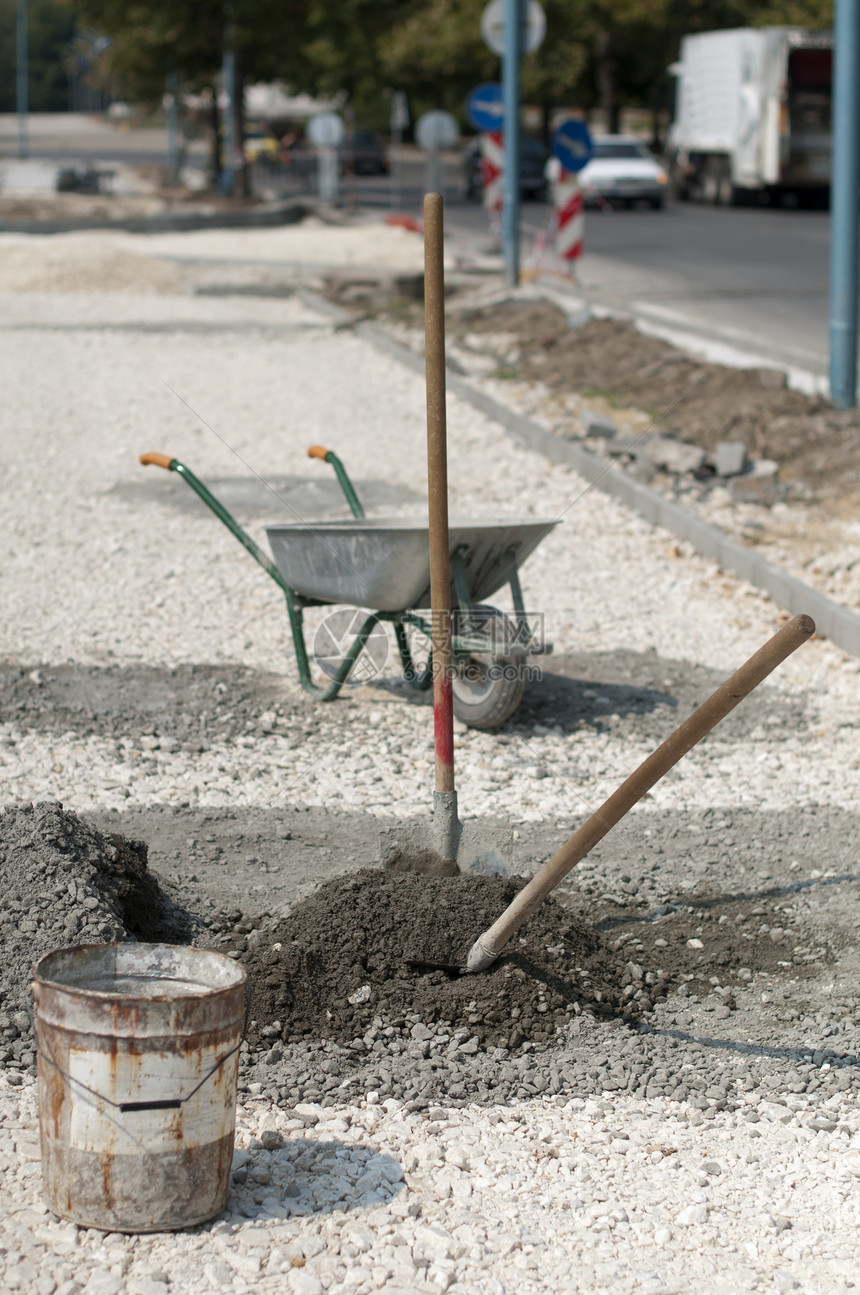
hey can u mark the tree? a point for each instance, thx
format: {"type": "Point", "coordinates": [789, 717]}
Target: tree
{"type": "Point", "coordinates": [51, 27]}
{"type": "Point", "coordinates": [437, 51]}
{"type": "Point", "coordinates": [793, 13]}
{"type": "Point", "coordinates": [340, 51]}
{"type": "Point", "coordinates": [556, 73]}
{"type": "Point", "coordinates": [186, 39]}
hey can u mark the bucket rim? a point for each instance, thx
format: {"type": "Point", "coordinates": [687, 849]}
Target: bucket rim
{"type": "Point", "coordinates": [39, 979]}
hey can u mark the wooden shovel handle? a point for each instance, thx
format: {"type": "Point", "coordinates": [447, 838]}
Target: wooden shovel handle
{"type": "Point", "coordinates": [437, 490]}
{"type": "Point", "coordinates": [158, 460]}
{"type": "Point", "coordinates": [489, 945]}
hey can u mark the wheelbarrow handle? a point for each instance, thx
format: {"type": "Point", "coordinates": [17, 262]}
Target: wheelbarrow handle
{"type": "Point", "coordinates": [158, 460]}
{"type": "Point", "coordinates": [174, 465]}
{"type": "Point", "coordinates": [329, 456]}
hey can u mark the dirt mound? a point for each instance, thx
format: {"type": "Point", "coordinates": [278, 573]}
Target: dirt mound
{"type": "Point", "coordinates": [374, 944]}
{"type": "Point", "coordinates": [815, 445]}
{"type": "Point", "coordinates": [64, 883]}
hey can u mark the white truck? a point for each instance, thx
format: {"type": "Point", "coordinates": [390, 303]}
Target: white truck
{"type": "Point", "coordinates": [751, 115]}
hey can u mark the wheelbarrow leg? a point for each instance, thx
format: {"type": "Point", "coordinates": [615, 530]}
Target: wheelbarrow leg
{"type": "Point", "coordinates": [418, 679]}
{"type": "Point", "coordinates": [524, 632]}
{"type": "Point", "coordinates": [465, 616]}
{"type": "Point", "coordinates": [295, 613]}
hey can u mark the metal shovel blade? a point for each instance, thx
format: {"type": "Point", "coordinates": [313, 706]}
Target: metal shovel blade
{"type": "Point", "coordinates": [445, 847]}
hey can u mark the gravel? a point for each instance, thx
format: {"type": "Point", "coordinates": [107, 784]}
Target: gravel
{"type": "Point", "coordinates": [710, 1137]}
{"type": "Point", "coordinates": [552, 1194]}
{"type": "Point", "coordinates": [65, 883]}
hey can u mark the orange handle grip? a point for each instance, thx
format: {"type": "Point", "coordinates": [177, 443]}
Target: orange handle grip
{"type": "Point", "coordinates": [160, 460]}
{"type": "Point", "coordinates": [317, 452]}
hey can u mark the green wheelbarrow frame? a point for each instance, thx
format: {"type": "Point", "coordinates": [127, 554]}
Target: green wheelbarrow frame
{"type": "Point", "coordinates": [466, 645]}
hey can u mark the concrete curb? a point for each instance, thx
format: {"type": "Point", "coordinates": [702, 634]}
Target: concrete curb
{"type": "Point", "coordinates": [835, 622]}
{"type": "Point", "coordinates": [173, 222]}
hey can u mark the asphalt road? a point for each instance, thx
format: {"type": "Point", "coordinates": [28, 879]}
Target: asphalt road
{"type": "Point", "coordinates": [752, 279]}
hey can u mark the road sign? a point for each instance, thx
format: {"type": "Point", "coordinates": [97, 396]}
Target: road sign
{"type": "Point", "coordinates": [436, 130]}
{"type": "Point", "coordinates": [485, 107]}
{"type": "Point", "coordinates": [569, 217]}
{"type": "Point", "coordinates": [493, 171]}
{"type": "Point", "coordinates": [326, 130]}
{"type": "Point", "coordinates": [533, 26]}
{"type": "Point", "coordinates": [571, 144]}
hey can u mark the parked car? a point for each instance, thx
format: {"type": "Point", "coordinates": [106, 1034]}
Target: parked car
{"type": "Point", "coordinates": [368, 155]}
{"type": "Point", "coordinates": [532, 166]}
{"type": "Point", "coordinates": [622, 172]}
{"type": "Point", "coordinates": [260, 145]}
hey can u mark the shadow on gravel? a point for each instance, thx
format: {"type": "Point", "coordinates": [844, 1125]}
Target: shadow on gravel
{"type": "Point", "coordinates": [722, 901]}
{"type": "Point", "coordinates": [280, 498]}
{"type": "Point", "coordinates": [843, 1060]}
{"type": "Point", "coordinates": [627, 694]}
{"type": "Point", "coordinates": [302, 1177]}
{"type": "Point", "coordinates": [646, 694]}
{"type": "Point", "coordinates": [194, 705]}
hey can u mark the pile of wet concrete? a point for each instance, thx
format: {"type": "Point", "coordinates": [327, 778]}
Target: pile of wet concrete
{"type": "Point", "coordinates": [389, 945]}
{"type": "Point", "coordinates": [357, 992]}
{"type": "Point", "coordinates": [64, 883]}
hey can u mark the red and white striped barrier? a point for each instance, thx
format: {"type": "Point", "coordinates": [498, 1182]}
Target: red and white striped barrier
{"type": "Point", "coordinates": [493, 171]}
{"type": "Point", "coordinates": [569, 216]}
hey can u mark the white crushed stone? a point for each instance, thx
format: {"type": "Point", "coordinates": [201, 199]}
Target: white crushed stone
{"type": "Point", "coordinates": [583, 1196]}
{"type": "Point", "coordinates": [108, 261]}
{"type": "Point", "coordinates": [590, 1196]}
{"type": "Point", "coordinates": [158, 585]}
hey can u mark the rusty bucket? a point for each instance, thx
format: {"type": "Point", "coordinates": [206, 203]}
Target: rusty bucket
{"type": "Point", "coordinates": [138, 1063]}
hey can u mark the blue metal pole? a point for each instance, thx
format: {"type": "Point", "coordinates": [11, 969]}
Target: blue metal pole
{"type": "Point", "coordinates": [844, 199]}
{"type": "Point", "coordinates": [21, 80]}
{"type": "Point", "coordinates": [511, 93]}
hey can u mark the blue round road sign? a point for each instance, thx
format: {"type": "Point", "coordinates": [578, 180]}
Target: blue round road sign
{"type": "Point", "coordinates": [485, 107]}
{"type": "Point", "coordinates": [571, 144]}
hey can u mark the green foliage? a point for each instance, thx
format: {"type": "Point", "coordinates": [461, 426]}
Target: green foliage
{"type": "Point", "coordinates": [614, 51]}
{"type": "Point", "coordinates": [151, 40]}
{"type": "Point", "coordinates": [339, 46]}
{"type": "Point", "coordinates": [554, 74]}
{"type": "Point", "coordinates": [816, 14]}
{"type": "Point", "coordinates": [51, 26]}
{"type": "Point", "coordinates": [437, 52]}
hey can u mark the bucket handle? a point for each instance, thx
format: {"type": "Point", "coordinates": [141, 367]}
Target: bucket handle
{"type": "Point", "coordinates": [166, 1104]}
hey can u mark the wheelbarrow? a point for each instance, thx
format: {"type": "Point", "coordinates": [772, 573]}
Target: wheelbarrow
{"type": "Point", "coordinates": [384, 563]}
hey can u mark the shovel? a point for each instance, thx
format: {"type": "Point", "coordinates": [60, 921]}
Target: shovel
{"type": "Point", "coordinates": [491, 942]}
{"type": "Point", "coordinates": [445, 846]}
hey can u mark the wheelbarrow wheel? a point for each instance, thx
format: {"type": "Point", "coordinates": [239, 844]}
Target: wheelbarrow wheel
{"type": "Point", "coordinates": [485, 694]}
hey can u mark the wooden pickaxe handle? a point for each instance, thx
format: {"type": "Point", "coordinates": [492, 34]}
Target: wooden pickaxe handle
{"type": "Point", "coordinates": [489, 945]}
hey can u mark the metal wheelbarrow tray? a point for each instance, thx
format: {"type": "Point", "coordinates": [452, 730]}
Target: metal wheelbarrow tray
{"type": "Point", "coordinates": [384, 563]}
